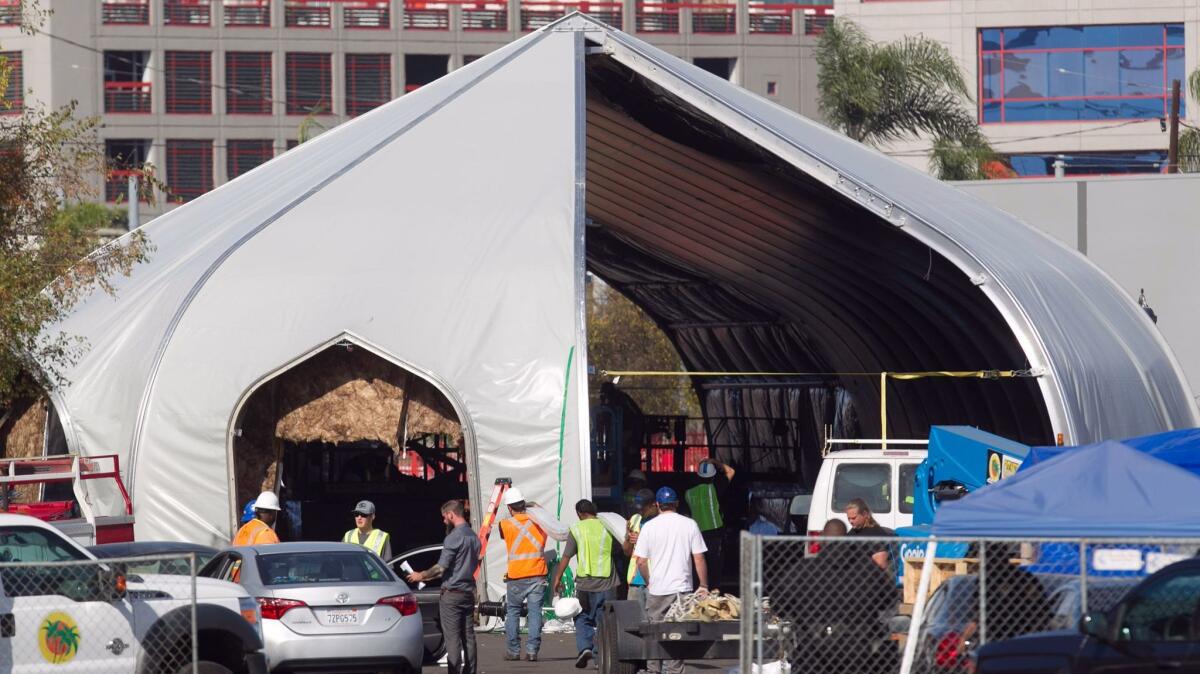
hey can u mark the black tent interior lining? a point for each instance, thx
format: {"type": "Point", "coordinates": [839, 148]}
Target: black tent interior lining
{"type": "Point", "coordinates": [748, 264]}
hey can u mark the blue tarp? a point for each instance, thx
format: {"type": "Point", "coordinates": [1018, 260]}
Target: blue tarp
{"type": "Point", "coordinates": [1181, 448]}
{"type": "Point", "coordinates": [1097, 491]}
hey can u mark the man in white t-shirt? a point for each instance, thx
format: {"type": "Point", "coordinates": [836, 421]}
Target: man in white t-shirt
{"type": "Point", "coordinates": [666, 549]}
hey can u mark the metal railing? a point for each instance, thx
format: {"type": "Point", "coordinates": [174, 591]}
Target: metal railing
{"type": "Point", "coordinates": [187, 12]}
{"type": "Point", "coordinates": [534, 15]}
{"type": "Point", "coordinates": [426, 15]}
{"type": "Point", "coordinates": [247, 13]}
{"type": "Point", "coordinates": [307, 14]}
{"type": "Point", "coordinates": [10, 12]}
{"type": "Point", "coordinates": [125, 12]}
{"type": "Point", "coordinates": [714, 19]}
{"type": "Point", "coordinates": [127, 97]}
{"type": "Point", "coordinates": [369, 14]}
{"type": "Point", "coordinates": [887, 605]}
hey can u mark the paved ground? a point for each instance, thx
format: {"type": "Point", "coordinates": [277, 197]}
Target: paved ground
{"type": "Point", "coordinates": [557, 657]}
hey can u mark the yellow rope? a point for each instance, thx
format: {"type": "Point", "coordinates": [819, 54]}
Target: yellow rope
{"type": "Point", "coordinates": [961, 374]}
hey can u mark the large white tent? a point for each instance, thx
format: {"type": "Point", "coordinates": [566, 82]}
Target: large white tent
{"type": "Point", "coordinates": [445, 232]}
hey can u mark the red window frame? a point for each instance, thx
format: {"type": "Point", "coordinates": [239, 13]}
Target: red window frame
{"type": "Point", "coordinates": [357, 101]}
{"type": "Point", "coordinates": [302, 97]}
{"type": "Point", "coordinates": [125, 12]}
{"type": "Point", "coordinates": [183, 186]}
{"type": "Point", "coordinates": [14, 93]}
{"type": "Point", "coordinates": [247, 13]}
{"type": "Point", "coordinates": [238, 101]}
{"type": "Point", "coordinates": [242, 155]}
{"type": "Point", "coordinates": [187, 12]}
{"type": "Point", "coordinates": [179, 86]}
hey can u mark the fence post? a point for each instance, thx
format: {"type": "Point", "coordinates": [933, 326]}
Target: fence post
{"type": "Point", "coordinates": [982, 592]}
{"type": "Point", "coordinates": [195, 631]}
{"type": "Point", "coordinates": [1083, 603]}
{"type": "Point", "coordinates": [914, 627]}
{"type": "Point", "coordinates": [749, 602]}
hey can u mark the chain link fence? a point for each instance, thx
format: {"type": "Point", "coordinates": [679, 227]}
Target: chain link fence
{"type": "Point", "coordinates": [853, 605]}
{"type": "Point", "coordinates": [112, 615]}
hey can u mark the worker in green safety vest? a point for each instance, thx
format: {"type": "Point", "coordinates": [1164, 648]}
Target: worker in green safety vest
{"type": "Point", "coordinates": [365, 534]}
{"type": "Point", "coordinates": [596, 577]}
{"type": "Point", "coordinates": [705, 506]}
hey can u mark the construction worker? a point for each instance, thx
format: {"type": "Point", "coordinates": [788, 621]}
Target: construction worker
{"type": "Point", "coordinates": [365, 534]}
{"type": "Point", "coordinates": [704, 501]}
{"type": "Point", "coordinates": [258, 531]}
{"type": "Point", "coordinates": [526, 577]}
{"type": "Point", "coordinates": [667, 550]}
{"type": "Point", "coordinates": [596, 577]}
{"type": "Point", "coordinates": [643, 500]}
{"type": "Point", "coordinates": [635, 481]}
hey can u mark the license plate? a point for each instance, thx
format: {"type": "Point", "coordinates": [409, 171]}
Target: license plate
{"type": "Point", "coordinates": [346, 617]}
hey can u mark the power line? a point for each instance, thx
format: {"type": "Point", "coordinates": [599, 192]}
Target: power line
{"type": "Point", "coordinates": [926, 151]}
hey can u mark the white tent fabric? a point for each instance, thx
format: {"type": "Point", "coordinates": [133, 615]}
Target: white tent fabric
{"type": "Point", "coordinates": [454, 248]}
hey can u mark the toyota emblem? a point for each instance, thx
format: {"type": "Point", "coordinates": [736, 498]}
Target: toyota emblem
{"type": "Point", "coordinates": [342, 598]}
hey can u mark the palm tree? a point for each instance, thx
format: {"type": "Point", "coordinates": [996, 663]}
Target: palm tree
{"type": "Point", "coordinates": [1189, 136]}
{"type": "Point", "coordinates": [880, 93]}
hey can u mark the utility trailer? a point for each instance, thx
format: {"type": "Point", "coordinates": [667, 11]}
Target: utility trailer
{"type": "Point", "coordinates": [626, 640]}
{"type": "Point", "coordinates": [70, 509]}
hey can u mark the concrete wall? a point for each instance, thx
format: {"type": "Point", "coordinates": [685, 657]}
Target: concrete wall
{"type": "Point", "coordinates": [1143, 231]}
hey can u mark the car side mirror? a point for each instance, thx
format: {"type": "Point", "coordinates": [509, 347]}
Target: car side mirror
{"type": "Point", "coordinates": [1096, 625]}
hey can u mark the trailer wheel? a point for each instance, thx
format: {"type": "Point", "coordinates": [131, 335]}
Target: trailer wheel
{"type": "Point", "coordinates": [608, 662]}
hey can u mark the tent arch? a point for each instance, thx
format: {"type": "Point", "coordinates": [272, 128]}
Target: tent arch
{"type": "Point", "coordinates": [440, 385]}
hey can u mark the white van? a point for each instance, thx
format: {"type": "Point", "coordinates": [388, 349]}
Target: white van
{"type": "Point", "coordinates": [884, 478]}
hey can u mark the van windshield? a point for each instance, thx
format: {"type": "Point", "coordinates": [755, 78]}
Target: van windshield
{"type": "Point", "coordinates": [871, 482]}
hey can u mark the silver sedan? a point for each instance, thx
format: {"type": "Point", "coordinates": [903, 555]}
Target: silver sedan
{"type": "Point", "coordinates": [329, 607]}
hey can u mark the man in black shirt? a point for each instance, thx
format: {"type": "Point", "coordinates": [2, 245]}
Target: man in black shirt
{"type": "Point", "coordinates": [862, 523]}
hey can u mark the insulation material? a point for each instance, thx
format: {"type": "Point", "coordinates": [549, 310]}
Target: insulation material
{"type": "Point", "coordinates": [550, 524]}
{"type": "Point", "coordinates": [23, 436]}
{"type": "Point", "coordinates": [616, 525]}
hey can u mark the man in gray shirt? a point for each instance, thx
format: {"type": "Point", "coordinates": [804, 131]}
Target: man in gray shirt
{"type": "Point", "coordinates": [460, 558]}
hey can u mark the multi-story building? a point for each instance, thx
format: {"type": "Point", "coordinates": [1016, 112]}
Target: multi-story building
{"type": "Point", "coordinates": [1086, 82]}
{"type": "Point", "coordinates": [205, 90]}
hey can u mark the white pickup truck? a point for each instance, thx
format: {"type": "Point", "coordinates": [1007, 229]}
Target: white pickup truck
{"type": "Point", "coordinates": [61, 610]}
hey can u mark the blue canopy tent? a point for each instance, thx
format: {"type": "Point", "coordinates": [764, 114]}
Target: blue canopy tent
{"type": "Point", "coordinates": [1107, 490]}
{"type": "Point", "coordinates": [1181, 448]}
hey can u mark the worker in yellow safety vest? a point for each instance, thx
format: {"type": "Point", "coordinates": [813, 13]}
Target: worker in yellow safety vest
{"type": "Point", "coordinates": [705, 506]}
{"type": "Point", "coordinates": [258, 531]}
{"type": "Point", "coordinates": [647, 508]}
{"type": "Point", "coordinates": [365, 534]}
{"type": "Point", "coordinates": [525, 581]}
{"type": "Point", "coordinates": [596, 577]}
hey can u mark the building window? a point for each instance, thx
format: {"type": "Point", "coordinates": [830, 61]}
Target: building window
{"type": "Point", "coordinates": [1089, 163]}
{"type": "Point", "coordinates": [307, 14]}
{"type": "Point", "coordinates": [368, 82]}
{"type": "Point", "coordinates": [721, 67]}
{"type": "Point", "coordinates": [125, 12]}
{"type": "Point", "coordinates": [10, 12]}
{"type": "Point", "coordinates": [421, 69]}
{"type": "Point", "coordinates": [309, 86]}
{"type": "Point", "coordinates": [247, 13]}
{"type": "Point", "coordinates": [126, 89]}
{"type": "Point", "coordinates": [123, 158]}
{"type": "Point", "coordinates": [367, 14]}
{"type": "Point", "coordinates": [189, 168]}
{"type": "Point", "coordinates": [14, 90]}
{"type": "Point", "coordinates": [1078, 73]}
{"type": "Point", "coordinates": [243, 155]}
{"type": "Point", "coordinates": [248, 83]}
{"type": "Point", "coordinates": [189, 82]}
{"type": "Point", "coordinates": [187, 12]}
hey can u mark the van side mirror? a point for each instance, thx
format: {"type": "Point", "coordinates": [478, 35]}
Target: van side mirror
{"type": "Point", "coordinates": [1096, 625]}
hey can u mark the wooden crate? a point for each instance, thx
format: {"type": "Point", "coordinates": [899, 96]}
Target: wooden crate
{"type": "Point", "coordinates": [943, 568]}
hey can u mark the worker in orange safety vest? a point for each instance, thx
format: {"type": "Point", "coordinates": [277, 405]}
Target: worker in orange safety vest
{"type": "Point", "coordinates": [258, 531]}
{"type": "Point", "coordinates": [526, 579]}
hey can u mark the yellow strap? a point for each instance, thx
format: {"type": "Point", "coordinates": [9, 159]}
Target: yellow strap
{"type": "Point", "coordinates": [962, 374]}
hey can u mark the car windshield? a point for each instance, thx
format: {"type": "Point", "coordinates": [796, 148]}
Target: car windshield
{"type": "Point", "coordinates": [172, 565]}
{"type": "Point", "coordinates": [31, 544]}
{"type": "Point", "coordinates": [293, 568]}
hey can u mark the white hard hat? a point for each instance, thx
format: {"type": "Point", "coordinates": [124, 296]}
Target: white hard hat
{"type": "Point", "coordinates": [513, 495]}
{"type": "Point", "coordinates": [706, 469]}
{"type": "Point", "coordinates": [567, 607]}
{"type": "Point", "coordinates": [267, 501]}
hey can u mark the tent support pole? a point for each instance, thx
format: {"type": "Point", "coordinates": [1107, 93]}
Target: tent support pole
{"type": "Point", "coordinates": [914, 627]}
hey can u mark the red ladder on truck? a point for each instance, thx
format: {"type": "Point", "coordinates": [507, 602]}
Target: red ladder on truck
{"type": "Point", "coordinates": [489, 518]}
{"type": "Point", "coordinates": [75, 517]}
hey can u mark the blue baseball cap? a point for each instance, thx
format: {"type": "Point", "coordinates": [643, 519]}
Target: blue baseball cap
{"type": "Point", "coordinates": [666, 495]}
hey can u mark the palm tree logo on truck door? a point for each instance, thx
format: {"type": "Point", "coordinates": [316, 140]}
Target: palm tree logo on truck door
{"type": "Point", "coordinates": [58, 638]}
